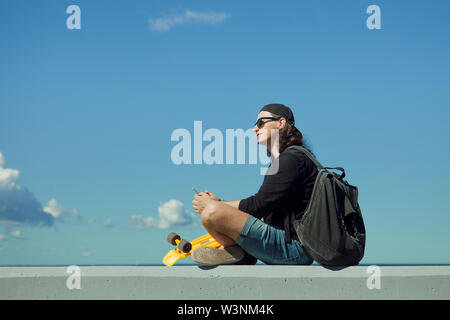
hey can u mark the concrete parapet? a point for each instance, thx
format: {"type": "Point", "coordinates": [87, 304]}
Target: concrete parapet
{"type": "Point", "coordinates": [226, 282]}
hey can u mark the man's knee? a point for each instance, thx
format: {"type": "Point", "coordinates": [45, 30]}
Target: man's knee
{"type": "Point", "coordinates": [210, 213]}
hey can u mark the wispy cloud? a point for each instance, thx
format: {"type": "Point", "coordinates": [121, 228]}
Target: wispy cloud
{"type": "Point", "coordinates": [170, 214]}
{"type": "Point", "coordinates": [170, 21]}
{"type": "Point", "coordinates": [17, 234]}
{"type": "Point", "coordinates": [108, 223]}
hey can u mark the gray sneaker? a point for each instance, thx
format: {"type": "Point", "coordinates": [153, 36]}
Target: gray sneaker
{"type": "Point", "coordinates": [212, 256]}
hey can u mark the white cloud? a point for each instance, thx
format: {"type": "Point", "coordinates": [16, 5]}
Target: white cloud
{"type": "Point", "coordinates": [8, 177]}
{"type": "Point", "coordinates": [14, 234]}
{"type": "Point", "coordinates": [18, 205]}
{"type": "Point", "coordinates": [17, 234]}
{"type": "Point", "coordinates": [54, 208]}
{"type": "Point", "coordinates": [75, 214]}
{"type": "Point", "coordinates": [188, 16]}
{"type": "Point", "coordinates": [143, 222]}
{"type": "Point", "coordinates": [58, 212]}
{"type": "Point", "coordinates": [170, 214]}
{"type": "Point", "coordinates": [108, 223]}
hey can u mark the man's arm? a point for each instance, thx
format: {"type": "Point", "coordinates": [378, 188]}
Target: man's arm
{"type": "Point", "coordinates": [234, 204]}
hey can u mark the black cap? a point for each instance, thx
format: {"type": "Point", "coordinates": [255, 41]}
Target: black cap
{"type": "Point", "coordinates": [280, 110]}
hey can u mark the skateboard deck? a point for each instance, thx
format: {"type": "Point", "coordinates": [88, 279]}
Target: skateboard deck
{"type": "Point", "coordinates": [176, 254]}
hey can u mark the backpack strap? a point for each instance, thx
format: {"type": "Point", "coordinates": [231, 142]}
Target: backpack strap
{"type": "Point", "coordinates": [308, 154]}
{"type": "Point", "coordinates": [317, 163]}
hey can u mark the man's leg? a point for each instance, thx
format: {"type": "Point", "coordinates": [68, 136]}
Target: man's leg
{"type": "Point", "coordinates": [223, 222]}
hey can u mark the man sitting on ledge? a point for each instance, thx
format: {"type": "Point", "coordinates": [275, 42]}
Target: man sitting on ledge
{"type": "Point", "coordinates": [284, 194]}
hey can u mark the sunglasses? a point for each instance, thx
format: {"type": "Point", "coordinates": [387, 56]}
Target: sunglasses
{"type": "Point", "coordinates": [259, 123]}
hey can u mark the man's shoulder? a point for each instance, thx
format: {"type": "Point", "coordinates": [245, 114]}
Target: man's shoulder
{"type": "Point", "coordinates": [294, 152]}
{"type": "Point", "coordinates": [299, 156]}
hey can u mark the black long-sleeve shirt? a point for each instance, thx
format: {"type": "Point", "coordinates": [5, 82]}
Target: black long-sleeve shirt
{"type": "Point", "coordinates": [284, 194]}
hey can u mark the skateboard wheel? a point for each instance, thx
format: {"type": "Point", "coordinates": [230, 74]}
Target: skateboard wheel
{"type": "Point", "coordinates": [185, 246]}
{"type": "Point", "coordinates": [172, 237]}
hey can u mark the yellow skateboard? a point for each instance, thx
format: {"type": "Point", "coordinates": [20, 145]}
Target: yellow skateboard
{"type": "Point", "coordinates": [184, 248]}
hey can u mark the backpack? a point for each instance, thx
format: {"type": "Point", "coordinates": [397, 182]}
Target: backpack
{"type": "Point", "coordinates": [331, 228]}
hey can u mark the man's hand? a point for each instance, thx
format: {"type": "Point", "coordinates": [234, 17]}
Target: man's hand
{"type": "Point", "coordinates": [200, 201]}
{"type": "Point", "coordinates": [212, 195]}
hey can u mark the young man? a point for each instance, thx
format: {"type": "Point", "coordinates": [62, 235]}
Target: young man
{"type": "Point", "coordinates": [284, 195]}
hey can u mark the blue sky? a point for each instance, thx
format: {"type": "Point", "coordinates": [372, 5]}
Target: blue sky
{"type": "Point", "coordinates": [86, 118]}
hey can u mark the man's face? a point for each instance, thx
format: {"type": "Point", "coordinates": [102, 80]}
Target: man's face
{"type": "Point", "coordinates": [263, 132]}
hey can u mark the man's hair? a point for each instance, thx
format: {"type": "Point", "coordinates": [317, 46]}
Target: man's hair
{"type": "Point", "coordinates": [289, 135]}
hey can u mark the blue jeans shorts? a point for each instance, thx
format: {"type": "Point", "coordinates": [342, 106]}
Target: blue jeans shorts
{"type": "Point", "coordinates": [267, 243]}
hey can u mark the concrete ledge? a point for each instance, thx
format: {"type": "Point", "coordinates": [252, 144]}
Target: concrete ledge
{"type": "Point", "coordinates": [226, 282]}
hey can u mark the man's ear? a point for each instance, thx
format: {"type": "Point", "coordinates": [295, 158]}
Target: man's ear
{"type": "Point", "coordinates": [282, 122]}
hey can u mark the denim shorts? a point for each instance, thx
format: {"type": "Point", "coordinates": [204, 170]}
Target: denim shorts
{"type": "Point", "coordinates": [267, 243]}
